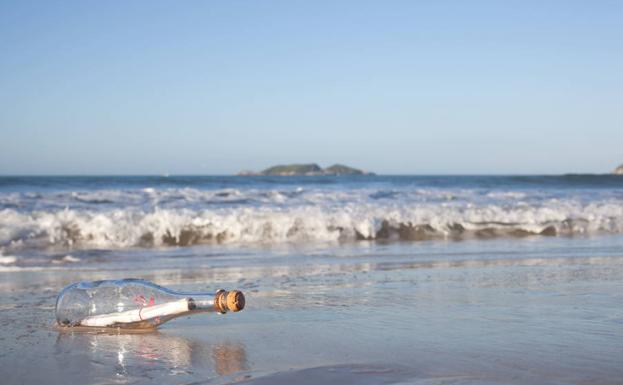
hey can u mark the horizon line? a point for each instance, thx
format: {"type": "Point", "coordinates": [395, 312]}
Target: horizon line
{"type": "Point", "coordinates": [168, 175]}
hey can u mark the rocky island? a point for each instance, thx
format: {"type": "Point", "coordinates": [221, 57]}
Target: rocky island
{"type": "Point", "coordinates": [308, 169]}
{"type": "Point", "coordinates": [618, 170]}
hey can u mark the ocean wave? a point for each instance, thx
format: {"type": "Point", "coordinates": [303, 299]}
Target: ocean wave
{"type": "Point", "coordinates": [127, 227]}
{"type": "Point", "coordinates": [151, 197]}
{"type": "Point", "coordinates": [179, 198]}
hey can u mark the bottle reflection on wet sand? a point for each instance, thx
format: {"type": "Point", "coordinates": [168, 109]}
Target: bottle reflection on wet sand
{"type": "Point", "coordinates": [229, 358]}
{"type": "Point", "coordinates": [148, 354]}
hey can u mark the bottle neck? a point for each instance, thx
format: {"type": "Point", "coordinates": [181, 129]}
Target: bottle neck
{"type": "Point", "coordinates": [201, 302]}
{"type": "Point", "coordinates": [221, 302]}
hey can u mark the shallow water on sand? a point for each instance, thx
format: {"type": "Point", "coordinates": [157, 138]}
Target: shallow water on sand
{"type": "Point", "coordinates": [547, 311]}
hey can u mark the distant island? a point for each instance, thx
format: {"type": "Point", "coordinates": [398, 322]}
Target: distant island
{"type": "Point", "coordinates": [618, 170]}
{"type": "Point", "coordinates": [309, 169]}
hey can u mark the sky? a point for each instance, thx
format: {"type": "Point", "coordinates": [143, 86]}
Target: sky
{"type": "Point", "coordinates": [394, 87]}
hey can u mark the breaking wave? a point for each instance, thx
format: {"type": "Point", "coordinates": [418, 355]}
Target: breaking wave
{"type": "Point", "coordinates": [127, 227]}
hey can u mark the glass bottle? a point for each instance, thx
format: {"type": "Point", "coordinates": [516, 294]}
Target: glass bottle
{"type": "Point", "coordinates": [135, 304]}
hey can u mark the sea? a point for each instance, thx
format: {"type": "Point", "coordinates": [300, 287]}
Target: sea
{"type": "Point", "coordinates": [375, 279]}
{"type": "Point", "coordinates": [47, 215]}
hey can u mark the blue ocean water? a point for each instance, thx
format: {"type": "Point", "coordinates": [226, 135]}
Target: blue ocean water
{"type": "Point", "coordinates": [569, 181]}
{"type": "Point", "coordinates": [118, 212]}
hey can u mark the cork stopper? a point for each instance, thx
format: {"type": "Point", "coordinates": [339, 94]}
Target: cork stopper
{"type": "Point", "coordinates": [235, 300]}
{"type": "Point", "coordinates": [229, 301]}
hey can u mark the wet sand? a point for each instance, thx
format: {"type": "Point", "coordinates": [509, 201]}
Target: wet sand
{"type": "Point", "coordinates": [498, 312]}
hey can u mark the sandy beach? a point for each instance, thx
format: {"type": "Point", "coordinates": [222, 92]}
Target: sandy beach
{"type": "Point", "coordinates": [546, 311]}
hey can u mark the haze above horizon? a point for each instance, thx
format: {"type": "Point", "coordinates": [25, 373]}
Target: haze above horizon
{"type": "Point", "coordinates": [395, 88]}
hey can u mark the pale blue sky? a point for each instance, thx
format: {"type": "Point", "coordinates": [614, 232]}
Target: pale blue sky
{"type": "Point", "coordinates": [415, 87]}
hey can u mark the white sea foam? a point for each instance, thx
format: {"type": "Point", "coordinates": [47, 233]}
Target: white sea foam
{"type": "Point", "coordinates": [66, 259]}
{"type": "Point", "coordinates": [7, 259]}
{"type": "Point", "coordinates": [318, 218]}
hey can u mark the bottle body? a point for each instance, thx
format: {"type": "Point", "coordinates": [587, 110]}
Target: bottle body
{"type": "Point", "coordinates": [135, 304]}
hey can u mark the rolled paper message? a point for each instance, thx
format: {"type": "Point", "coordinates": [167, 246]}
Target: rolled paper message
{"type": "Point", "coordinates": [138, 315]}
